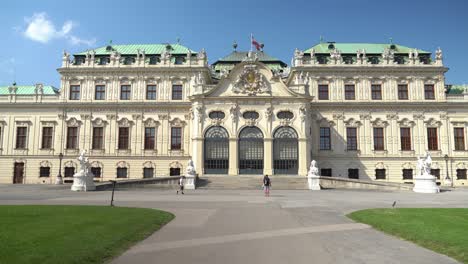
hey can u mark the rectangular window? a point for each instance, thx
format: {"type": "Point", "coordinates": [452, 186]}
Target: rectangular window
{"type": "Point", "coordinates": [121, 172]}
{"type": "Point", "coordinates": [402, 92]}
{"type": "Point", "coordinates": [148, 172]}
{"type": "Point", "coordinates": [21, 137]}
{"type": "Point", "coordinates": [69, 171]}
{"type": "Point", "coordinates": [177, 92]}
{"type": "Point", "coordinates": [323, 91]}
{"type": "Point", "coordinates": [429, 92]}
{"type": "Point", "coordinates": [125, 92]}
{"type": "Point", "coordinates": [407, 174]}
{"type": "Point", "coordinates": [461, 174]}
{"type": "Point", "coordinates": [176, 138]}
{"type": "Point", "coordinates": [350, 93]}
{"type": "Point", "coordinates": [351, 136]}
{"type": "Point", "coordinates": [44, 172]}
{"type": "Point", "coordinates": [72, 137]}
{"type": "Point", "coordinates": [376, 91]}
{"type": "Point", "coordinates": [378, 138]}
{"type": "Point", "coordinates": [123, 137]}
{"type": "Point", "coordinates": [150, 133]}
{"type": "Point", "coordinates": [174, 172]}
{"type": "Point", "coordinates": [151, 92]}
{"type": "Point", "coordinates": [405, 138]}
{"type": "Point", "coordinates": [353, 173]}
{"type": "Point", "coordinates": [436, 173]}
{"type": "Point", "coordinates": [98, 138]}
{"type": "Point", "coordinates": [100, 92]}
{"type": "Point", "coordinates": [47, 137]}
{"type": "Point", "coordinates": [96, 171]}
{"type": "Point", "coordinates": [74, 92]}
{"type": "Point", "coordinates": [325, 139]}
{"type": "Point", "coordinates": [326, 172]}
{"type": "Point", "coordinates": [459, 138]}
{"type": "Point", "coordinates": [432, 143]}
{"type": "Point", "coordinates": [380, 174]}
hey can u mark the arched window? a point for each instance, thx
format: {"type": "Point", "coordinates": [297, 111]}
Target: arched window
{"type": "Point", "coordinates": [216, 150]}
{"type": "Point", "coordinates": [251, 150]}
{"type": "Point", "coordinates": [285, 151]}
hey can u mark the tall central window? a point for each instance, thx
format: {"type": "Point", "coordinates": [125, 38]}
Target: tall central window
{"type": "Point", "coordinates": [125, 92]}
{"type": "Point", "coordinates": [351, 136]}
{"type": "Point", "coordinates": [100, 92]}
{"type": "Point", "coordinates": [402, 92]}
{"type": "Point", "coordinates": [98, 137]}
{"type": "Point", "coordinates": [459, 138]}
{"type": "Point", "coordinates": [123, 137]}
{"type": "Point", "coordinates": [21, 136]}
{"type": "Point", "coordinates": [405, 136]}
{"type": "Point", "coordinates": [72, 137]}
{"type": "Point", "coordinates": [176, 138]}
{"type": "Point", "coordinates": [432, 143]}
{"type": "Point", "coordinates": [46, 138]}
{"type": "Point", "coordinates": [74, 92]}
{"type": "Point", "coordinates": [150, 133]}
{"type": "Point", "coordinates": [323, 92]}
{"type": "Point", "coordinates": [325, 138]}
{"type": "Point", "coordinates": [376, 90]}
{"type": "Point", "coordinates": [429, 92]}
{"type": "Point", "coordinates": [378, 138]}
{"type": "Point", "coordinates": [177, 92]}
{"type": "Point", "coordinates": [350, 93]}
{"type": "Point", "coordinates": [151, 92]}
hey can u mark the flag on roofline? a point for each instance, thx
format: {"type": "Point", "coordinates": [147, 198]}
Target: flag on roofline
{"type": "Point", "coordinates": [255, 43]}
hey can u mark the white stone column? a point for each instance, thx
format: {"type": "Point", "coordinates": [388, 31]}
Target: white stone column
{"type": "Point", "coordinates": [233, 157]}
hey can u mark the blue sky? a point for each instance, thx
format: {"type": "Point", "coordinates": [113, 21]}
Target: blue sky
{"type": "Point", "coordinates": [34, 33]}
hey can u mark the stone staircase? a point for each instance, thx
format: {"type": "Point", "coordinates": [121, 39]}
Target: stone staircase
{"type": "Point", "coordinates": [251, 182]}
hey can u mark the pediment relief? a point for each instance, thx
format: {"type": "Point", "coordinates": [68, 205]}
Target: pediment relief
{"type": "Point", "coordinates": [352, 123]}
{"type": "Point", "coordinates": [150, 122]}
{"type": "Point", "coordinates": [177, 122]}
{"type": "Point", "coordinates": [325, 122]}
{"type": "Point", "coordinates": [379, 123]}
{"type": "Point", "coordinates": [431, 122]}
{"type": "Point", "coordinates": [99, 122]}
{"type": "Point", "coordinates": [405, 122]}
{"type": "Point", "coordinates": [250, 81]}
{"type": "Point", "coordinates": [124, 122]}
{"type": "Point", "coordinates": [73, 122]}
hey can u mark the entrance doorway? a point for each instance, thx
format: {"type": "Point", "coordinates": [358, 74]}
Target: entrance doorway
{"type": "Point", "coordinates": [18, 172]}
{"type": "Point", "coordinates": [251, 151]}
{"type": "Point", "coordinates": [285, 151]}
{"type": "Point", "coordinates": [216, 150]}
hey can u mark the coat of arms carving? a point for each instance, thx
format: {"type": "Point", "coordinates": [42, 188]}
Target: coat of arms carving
{"type": "Point", "coordinates": [250, 81]}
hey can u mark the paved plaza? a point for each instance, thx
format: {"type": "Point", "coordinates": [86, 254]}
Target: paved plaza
{"type": "Point", "coordinates": [214, 226]}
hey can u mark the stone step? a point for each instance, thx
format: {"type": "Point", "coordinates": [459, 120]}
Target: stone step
{"type": "Point", "coordinates": [251, 182]}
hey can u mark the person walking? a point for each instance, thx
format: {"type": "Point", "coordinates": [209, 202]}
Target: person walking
{"type": "Point", "coordinates": [181, 184]}
{"type": "Point", "coordinates": [266, 185]}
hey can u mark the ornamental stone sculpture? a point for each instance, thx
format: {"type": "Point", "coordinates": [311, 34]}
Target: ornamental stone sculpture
{"type": "Point", "coordinates": [190, 176]}
{"type": "Point", "coordinates": [424, 182]}
{"type": "Point", "coordinates": [83, 180]}
{"type": "Point", "coordinates": [313, 178]}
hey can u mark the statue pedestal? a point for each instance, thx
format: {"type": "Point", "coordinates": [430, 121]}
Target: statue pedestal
{"type": "Point", "coordinates": [190, 182]}
{"type": "Point", "coordinates": [58, 180]}
{"type": "Point", "coordinates": [313, 182]}
{"type": "Point", "coordinates": [425, 184]}
{"type": "Point", "coordinates": [83, 182]}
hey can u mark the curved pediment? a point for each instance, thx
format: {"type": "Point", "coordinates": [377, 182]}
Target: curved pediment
{"type": "Point", "coordinates": [250, 79]}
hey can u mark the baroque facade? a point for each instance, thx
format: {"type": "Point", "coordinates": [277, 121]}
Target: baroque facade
{"type": "Point", "coordinates": [360, 110]}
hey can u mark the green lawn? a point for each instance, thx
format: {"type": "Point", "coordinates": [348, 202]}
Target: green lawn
{"type": "Point", "coordinates": [73, 234]}
{"type": "Point", "coordinates": [441, 230]}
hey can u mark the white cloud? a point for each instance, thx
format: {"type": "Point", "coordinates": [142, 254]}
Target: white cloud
{"type": "Point", "coordinates": [41, 29]}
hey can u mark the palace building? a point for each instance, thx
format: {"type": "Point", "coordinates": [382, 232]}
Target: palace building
{"type": "Point", "coordinates": [361, 110]}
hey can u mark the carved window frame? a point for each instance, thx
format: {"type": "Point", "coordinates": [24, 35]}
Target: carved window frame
{"type": "Point", "coordinates": [152, 82]}
{"type": "Point", "coordinates": [406, 123]}
{"type": "Point", "coordinates": [177, 123]}
{"type": "Point", "coordinates": [379, 123]}
{"type": "Point", "coordinates": [43, 124]}
{"type": "Point", "coordinates": [433, 123]}
{"type": "Point", "coordinates": [124, 123]}
{"type": "Point", "coordinates": [2, 133]}
{"type": "Point", "coordinates": [150, 123]}
{"type": "Point", "coordinates": [28, 125]}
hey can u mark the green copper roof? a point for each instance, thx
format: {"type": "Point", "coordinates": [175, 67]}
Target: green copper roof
{"type": "Point", "coordinates": [148, 48]}
{"type": "Point", "coordinates": [238, 56]}
{"type": "Point", "coordinates": [351, 48]}
{"type": "Point", "coordinates": [457, 89]}
{"type": "Point", "coordinates": [29, 90]}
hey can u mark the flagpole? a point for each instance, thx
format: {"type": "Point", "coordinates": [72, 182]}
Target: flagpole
{"type": "Point", "coordinates": [251, 40]}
